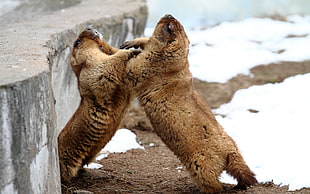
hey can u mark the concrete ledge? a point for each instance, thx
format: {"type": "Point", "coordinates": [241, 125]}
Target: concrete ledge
{"type": "Point", "coordinates": [35, 73]}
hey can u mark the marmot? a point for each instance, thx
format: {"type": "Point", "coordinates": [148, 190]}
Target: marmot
{"type": "Point", "coordinates": [161, 79]}
{"type": "Point", "coordinates": [100, 70]}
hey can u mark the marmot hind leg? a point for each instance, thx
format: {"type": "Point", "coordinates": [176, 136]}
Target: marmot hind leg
{"type": "Point", "coordinates": [237, 168]}
{"type": "Point", "coordinates": [68, 171]}
{"type": "Point", "coordinates": [205, 171]}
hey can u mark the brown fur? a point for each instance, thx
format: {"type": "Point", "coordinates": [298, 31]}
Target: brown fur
{"type": "Point", "coordinates": [100, 70]}
{"type": "Point", "coordinates": [162, 81]}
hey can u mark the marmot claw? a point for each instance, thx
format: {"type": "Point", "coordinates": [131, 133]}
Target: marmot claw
{"type": "Point", "coordinates": [128, 45]}
{"type": "Point", "coordinates": [136, 52]}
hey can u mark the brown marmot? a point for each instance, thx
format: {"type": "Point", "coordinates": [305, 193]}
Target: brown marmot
{"type": "Point", "coordinates": [100, 70]}
{"type": "Point", "coordinates": [162, 81]}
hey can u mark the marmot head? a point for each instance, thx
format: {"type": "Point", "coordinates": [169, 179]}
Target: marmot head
{"type": "Point", "coordinates": [169, 45]}
{"type": "Point", "coordinates": [89, 38]}
{"type": "Point", "coordinates": [171, 36]}
{"type": "Point", "coordinates": [87, 61]}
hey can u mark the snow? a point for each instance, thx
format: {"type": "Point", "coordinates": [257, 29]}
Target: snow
{"type": "Point", "coordinates": [122, 141]}
{"type": "Point", "coordinates": [234, 47]}
{"type": "Point", "coordinates": [270, 123]}
{"type": "Point", "coordinates": [274, 141]}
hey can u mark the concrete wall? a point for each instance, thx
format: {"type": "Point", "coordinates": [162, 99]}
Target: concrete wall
{"type": "Point", "coordinates": [27, 136]}
{"type": "Point", "coordinates": [38, 91]}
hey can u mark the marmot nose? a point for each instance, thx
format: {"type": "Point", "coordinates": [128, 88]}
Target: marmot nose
{"type": "Point", "coordinates": [168, 16]}
{"type": "Point", "coordinates": [89, 28]}
{"type": "Point", "coordinates": [92, 30]}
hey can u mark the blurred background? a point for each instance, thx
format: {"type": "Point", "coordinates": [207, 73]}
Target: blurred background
{"type": "Point", "coordinates": [193, 13]}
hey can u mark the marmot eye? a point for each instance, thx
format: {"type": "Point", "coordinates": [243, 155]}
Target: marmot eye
{"type": "Point", "coordinates": [77, 42]}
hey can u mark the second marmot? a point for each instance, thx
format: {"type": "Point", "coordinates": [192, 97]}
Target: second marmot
{"type": "Point", "coordinates": [162, 81]}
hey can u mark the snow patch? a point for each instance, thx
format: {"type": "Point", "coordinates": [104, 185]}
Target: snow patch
{"type": "Point", "coordinates": [122, 141]}
{"type": "Point", "coordinates": [274, 139]}
{"type": "Point", "coordinates": [217, 54]}
{"type": "Point", "coordinates": [93, 165]}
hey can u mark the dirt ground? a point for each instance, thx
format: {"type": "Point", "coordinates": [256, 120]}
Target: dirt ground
{"type": "Point", "coordinates": [156, 169]}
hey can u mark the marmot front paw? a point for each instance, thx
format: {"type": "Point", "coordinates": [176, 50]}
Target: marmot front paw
{"type": "Point", "coordinates": [129, 44]}
{"type": "Point", "coordinates": [135, 52]}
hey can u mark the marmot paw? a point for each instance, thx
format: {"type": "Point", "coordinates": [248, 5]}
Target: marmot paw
{"type": "Point", "coordinates": [135, 52]}
{"type": "Point", "coordinates": [129, 44]}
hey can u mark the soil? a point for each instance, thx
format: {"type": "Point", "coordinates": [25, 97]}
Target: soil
{"type": "Point", "coordinates": [156, 169]}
